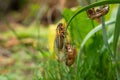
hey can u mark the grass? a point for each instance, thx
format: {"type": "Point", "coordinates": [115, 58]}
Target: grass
{"type": "Point", "coordinates": [97, 53]}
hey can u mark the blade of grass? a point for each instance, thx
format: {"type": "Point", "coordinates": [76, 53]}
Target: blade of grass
{"type": "Point", "coordinates": [52, 75]}
{"type": "Point", "coordinates": [110, 40]}
{"type": "Point", "coordinates": [105, 37]}
{"type": "Point", "coordinates": [93, 31]}
{"type": "Point", "coordinates": [117, 31]}
{"type": "Point", "coordinates": [90, 6]}
{"type": "Point", "coordinates": [115, 40]}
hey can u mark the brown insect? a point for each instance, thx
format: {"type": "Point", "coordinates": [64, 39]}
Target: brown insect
{"type": "Point", "coordinates": [97, 13]}
{"type": "Point", "coordinates": [70, 54]}
{"type": "Point", "coordinates": [59, 41]}
{"type": "Point", "coordinates": [60, 35]}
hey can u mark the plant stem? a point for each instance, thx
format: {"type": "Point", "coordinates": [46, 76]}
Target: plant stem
{"type": "Point", "coordinates": [105, 37]}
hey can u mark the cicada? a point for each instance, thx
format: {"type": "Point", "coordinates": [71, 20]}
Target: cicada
{"type": "Point", "coordinates": [70, 54]}
{"type": "Point", "coordinates": [59, 41]}
{"type": "Point", "coordinates": [97, 13]}
{"type": "Point", "coordinates": [60, 35]}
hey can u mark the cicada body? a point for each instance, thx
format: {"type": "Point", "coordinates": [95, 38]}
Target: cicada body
{"type": "Point", "coordinates": [59, 41]}
{"type": "Point", "coordinates": [60, 35]}
{"type": "Point", "coordinates": [97, 13]}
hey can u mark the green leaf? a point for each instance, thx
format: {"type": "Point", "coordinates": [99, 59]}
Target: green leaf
{"type": "Point", "coordinates": [115, 40]}
{"type": "Point", "coordinates": [117, 31]}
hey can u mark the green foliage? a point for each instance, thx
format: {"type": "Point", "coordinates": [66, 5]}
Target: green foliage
{"type": "Point", "coordinates": [91, 39]}
{"type": "Point", "coordinates": [93, 62]}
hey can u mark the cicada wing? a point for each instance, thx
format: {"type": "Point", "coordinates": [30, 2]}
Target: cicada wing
{"type": "Point", "coordinates": [58, 45]}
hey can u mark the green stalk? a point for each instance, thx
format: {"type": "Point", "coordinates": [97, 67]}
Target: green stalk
{"type": "Point", "coordinates": [115, 41]}
{"type": "Point", "coordinates": [105, 37]}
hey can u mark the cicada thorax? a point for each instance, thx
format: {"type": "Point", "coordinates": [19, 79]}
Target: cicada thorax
{"type": "Point", "coordinates": [70, 54]}
{"type": "Point", "coordinates": [95, 13]}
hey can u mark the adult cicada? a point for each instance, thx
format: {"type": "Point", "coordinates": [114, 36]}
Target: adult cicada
{"type": "Point", "coordinates": [59, 40]}
{"type": "Point", "coordinates": [60, 35]}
